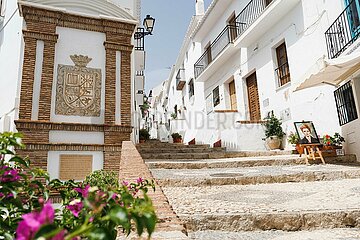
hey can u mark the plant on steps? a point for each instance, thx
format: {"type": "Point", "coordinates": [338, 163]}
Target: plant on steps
{"type": "Point", "coordinates": [176, 137]}
{"type": "Point", "coordinates": [273, 132]}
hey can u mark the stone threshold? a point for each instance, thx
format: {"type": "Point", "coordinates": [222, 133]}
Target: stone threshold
{"type": "Point", "coordinates": [237, 179]}
{"type": "Point", "coordinates": [285, 221]}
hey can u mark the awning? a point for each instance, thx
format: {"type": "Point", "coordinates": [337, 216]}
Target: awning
{"type": "Point", "coordinates": [330, 71]}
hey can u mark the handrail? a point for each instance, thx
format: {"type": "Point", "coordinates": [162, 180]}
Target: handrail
{"type": "Point", "coordinates": [344, 31]}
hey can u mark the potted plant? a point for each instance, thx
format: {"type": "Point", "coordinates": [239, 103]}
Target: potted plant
{"type": "Point", "coordinates": [331, 143]}
{"type": "Point", "coordinates": [177, 138]}
{"type": "Point", "coordinates": [293, 139]}
{"type": "Point", "coordinates": [273, 132]}
{"type": "Point", "coordinates": [143, 135]}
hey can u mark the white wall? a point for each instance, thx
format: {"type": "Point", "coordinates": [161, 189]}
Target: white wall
{"type": "Point", "coordinates": [351, 130]}
{"type": "Point", "coordinates": [80, 42]}
{"type": "Point", "coordinates": [10, 62]}
{"type": "Point", "coordinates": [76, 137]}
{"type": "Point", "coordinates": [302, 28]}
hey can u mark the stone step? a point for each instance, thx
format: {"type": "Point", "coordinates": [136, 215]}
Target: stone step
{"type": "Point", "coordinates": [318, 234]}
{"type": "Point", "coordinates": [183, 155]}
{"type": "Point", "coordinates": [181, 150]}
{"type": "Point", "coordinates": [230, 154]}
{"type": "Point", "coordinates": [280, 206]}
{"type": "Point", "coordinates": [240, 162]}
{"type": "Point", "coordinates": [254, 175]}
{"type": "Point", "coordinates": [171, 145]}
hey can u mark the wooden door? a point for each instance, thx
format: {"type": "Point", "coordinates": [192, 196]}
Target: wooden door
{"type": "Point", "coordinates": [253, 96]}
{"type": "Point", "coordinates": [232, 95]}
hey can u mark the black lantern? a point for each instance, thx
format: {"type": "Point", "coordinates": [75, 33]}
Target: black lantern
{"type": "Point", "coordinates": [148, 26]}
{"type": "Point", "coordinates": [149, 23]}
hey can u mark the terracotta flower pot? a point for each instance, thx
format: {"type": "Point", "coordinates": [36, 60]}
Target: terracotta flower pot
{"type": "Point", "coordinates": [177, 140]}
{"type": "Point", "coordinates": [273, 142]}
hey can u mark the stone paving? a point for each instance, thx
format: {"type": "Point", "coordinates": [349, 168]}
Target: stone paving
{"type": "Point", "coordinates": [254, 175]}
{"type": "Point", "coordinates": [256, 195]}
{"type": "Point", "coordinates": [327, 234]}
{"type": "Point", "coordinates": [234, 206]}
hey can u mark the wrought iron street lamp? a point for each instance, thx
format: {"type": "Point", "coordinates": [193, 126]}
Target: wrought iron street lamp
{"type": "Point", "coordinates": [149, 26]}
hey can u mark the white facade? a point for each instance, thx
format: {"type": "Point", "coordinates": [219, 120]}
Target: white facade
{"type": "Point", "coordinates": [11, 46]}
{"type": "Point", "coordinates": [70, 41]}
{"type": "Point", "coordinates": [301, 26]}
{"type": "Point", "coordinates": [11, 50]}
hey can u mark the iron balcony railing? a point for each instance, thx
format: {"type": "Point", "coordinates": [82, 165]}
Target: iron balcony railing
{"type": "Point", "coordinates": [227, 35]}
{"type": "Point", "coordinates": [283, 74]}
{"type": "Point", "coordinates": [344, 31]}
{"type": "Point", "coordinates": [250, 13]}
{"type": "Point", "coordinates": [230, 33]}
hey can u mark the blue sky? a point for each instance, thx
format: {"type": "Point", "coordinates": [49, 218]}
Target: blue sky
{"type": "Point", "coordinates": [172, 18]}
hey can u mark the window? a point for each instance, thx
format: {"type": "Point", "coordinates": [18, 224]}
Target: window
{"type": "Point", "coordinates": [191, 88]}
{"type": "Point", "coordinates": [216, 96]}
{"type": "Point", "coordinates": [283, 72]}
{"type": "Point", "coordinates": [345, 104]}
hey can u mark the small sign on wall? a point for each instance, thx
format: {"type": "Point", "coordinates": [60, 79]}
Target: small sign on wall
{"type": "Point", "coordinates": [75, 166]}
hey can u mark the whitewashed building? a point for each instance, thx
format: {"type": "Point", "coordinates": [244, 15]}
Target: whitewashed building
{"type": "Point", "coordinates": [71, 80]}
{"type": "Point", "coordinates": [243, 59]}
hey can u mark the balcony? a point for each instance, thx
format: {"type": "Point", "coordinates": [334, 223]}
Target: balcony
{"type": "Point", "coordinates": [227, 35]}
{"type": "Point", "coordinates": [260, 16]}
{"type": "Point", "coordinates": [344, 31]}
{"type": "Point", "coordinates": [180, 79]}
{"type": "Point", "coordinates": [257, 17]}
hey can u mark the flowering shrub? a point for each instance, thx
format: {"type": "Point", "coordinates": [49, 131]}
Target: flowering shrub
{"type": "Point", "coordinates": [87, 211]}
{"type": "Point", "coordinates": [293, 138]}
{"type": "Point", "coordinates": [336, 140]}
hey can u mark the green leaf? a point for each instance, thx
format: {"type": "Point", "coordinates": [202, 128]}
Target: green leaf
{"type": "Point", "coordinates": [20, 161]}
{"type": "Point", "coordinates": [120, 216]}
{"type": "Point", "coordinates": [8, 236]}
{"type": "Point", "coordinates": [100, 234]}
{"type": "Point", "coordinates": [139, 224]}
{"type": "Point", "coordinates": [150, 222]}
{"type": "Point", "coordinates": [47, 231]}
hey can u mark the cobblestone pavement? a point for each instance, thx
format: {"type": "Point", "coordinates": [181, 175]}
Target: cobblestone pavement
{"type": "Point", "coordinates": [265, 198]}
{"type": "Point", "coordinates": [327, 234]}
{"type": "Point", "coordinates": [247, 172]}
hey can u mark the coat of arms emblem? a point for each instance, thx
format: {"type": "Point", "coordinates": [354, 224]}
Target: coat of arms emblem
{"type": "Point", "coordinates": [78, 89]}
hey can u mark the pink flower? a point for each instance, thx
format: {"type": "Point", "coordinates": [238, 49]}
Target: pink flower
{"type": "Point", "coordinates": [9, 175]}
{"type": "Point", "coordinates": [75, 207]}
{"type": "Point", "coordinates": [84, 192]}
{"type": "Point", "coordinates": [125, 183]}
{"type": "Point", "coordinates": [32, 222]}
{"type": "Point", "coordinates": [139, 180]}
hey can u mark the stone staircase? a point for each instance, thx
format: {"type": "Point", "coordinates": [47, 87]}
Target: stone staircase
{"type": "Point", "coordinates": [257, 195]}
{"type": "Point", "coordinates": [154, 149]}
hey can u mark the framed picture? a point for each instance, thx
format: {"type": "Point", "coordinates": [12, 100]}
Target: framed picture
{"type": "Point", "coordinates": [306, 132]}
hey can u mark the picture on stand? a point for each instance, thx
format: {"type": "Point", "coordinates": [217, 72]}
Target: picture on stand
{"type": "Point", "coordinates": [306, 132]}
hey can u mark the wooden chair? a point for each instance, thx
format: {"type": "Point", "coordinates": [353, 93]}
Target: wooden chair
{"type": "Point", "coordinates": [311, 151]}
